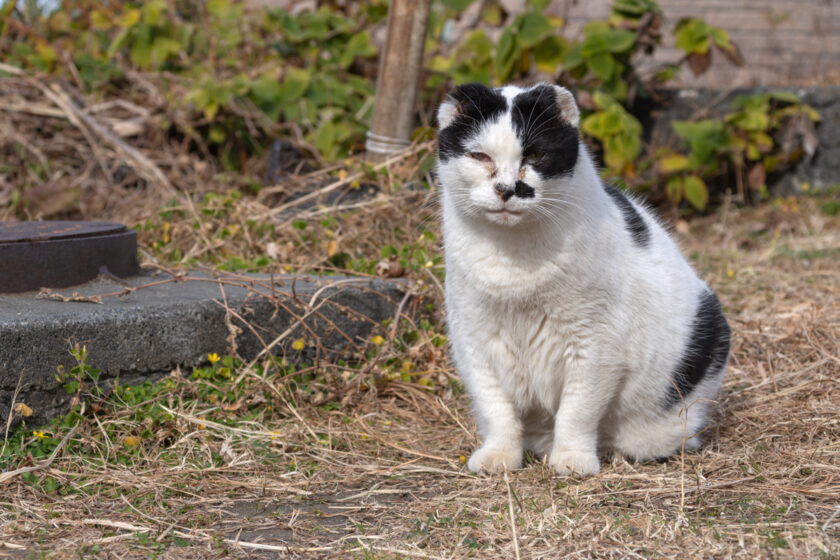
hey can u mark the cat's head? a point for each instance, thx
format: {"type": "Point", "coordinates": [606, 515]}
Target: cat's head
{"type": "Point", "coordinates": [504, 154]}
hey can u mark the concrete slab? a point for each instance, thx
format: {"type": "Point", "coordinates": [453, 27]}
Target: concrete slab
{"type": "Point", "coordinates": [148, 331]}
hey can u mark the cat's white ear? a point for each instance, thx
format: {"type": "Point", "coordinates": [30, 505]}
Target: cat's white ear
{"type": "Point", "coordinates": [447, 112]}
{"type": "Point", "coordinates": [568, 106]}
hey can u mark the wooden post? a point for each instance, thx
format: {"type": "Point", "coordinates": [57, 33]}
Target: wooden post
{"type": "Point", "coordinates": [399, 74]}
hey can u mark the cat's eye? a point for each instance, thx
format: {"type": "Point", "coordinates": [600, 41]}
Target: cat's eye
{"type": "Point", "coordinates": [532, 158]}
{"type": "Point", "coordinates": [480, 156]}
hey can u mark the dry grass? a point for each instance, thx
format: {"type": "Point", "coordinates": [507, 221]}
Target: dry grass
{"type": "Point", "coordinates": [383, 475]}
{"type": "Point", "coordinates": [384, 478]}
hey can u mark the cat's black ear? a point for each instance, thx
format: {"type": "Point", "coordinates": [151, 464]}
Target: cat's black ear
{"type": "Point", "coordinates": [569, 111]}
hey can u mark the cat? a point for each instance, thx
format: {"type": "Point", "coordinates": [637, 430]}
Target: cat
{"type": "Point", "coordinates": [575, 323]}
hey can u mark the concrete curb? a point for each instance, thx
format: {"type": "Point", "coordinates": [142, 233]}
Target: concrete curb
{"type": "Point", "coordinates": [148, 332]}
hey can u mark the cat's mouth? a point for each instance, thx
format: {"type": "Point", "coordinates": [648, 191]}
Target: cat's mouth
{"type": "Point", "coordinates": [504, 212]}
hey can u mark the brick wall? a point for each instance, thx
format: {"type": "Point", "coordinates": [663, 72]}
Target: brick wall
{"type": "Point", "coordinates": [784, 42]}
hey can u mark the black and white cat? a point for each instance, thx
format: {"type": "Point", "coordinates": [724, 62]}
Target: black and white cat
{"type": "Point", "coordinates": [576, 324]}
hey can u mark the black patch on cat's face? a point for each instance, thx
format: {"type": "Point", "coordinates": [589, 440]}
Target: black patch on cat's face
{"type": "Point", "coordinates": [523, 190]}
{"type": "Point", "coordinates": [634, 221]}
{"type": "Point", "coordinates": [706, 352]}
{"type": "Point", "coordinates": [477, 104]}
{"type": "Point", "coordinates": [544, 134]}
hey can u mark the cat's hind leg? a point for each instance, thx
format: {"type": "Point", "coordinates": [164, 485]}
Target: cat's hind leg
{"type": "Point", "coordinates": [647, 436]}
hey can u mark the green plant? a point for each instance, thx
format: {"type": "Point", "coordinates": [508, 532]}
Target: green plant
{"type": "Point", "coordinates": [619, 132]}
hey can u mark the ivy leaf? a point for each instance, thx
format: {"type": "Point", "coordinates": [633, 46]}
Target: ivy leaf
{"type": "Point", "coordinates": [549, 53]}
{"type": "Point", "coordinates": [672, 163]}
{"type": "Point", "coordinates": [359, 45]}
{"type": "Point", "coordinates": [533, 27]}
{"type": "Point", "coordinates": [152, 11]}
{"type": "Point", "coordinates": [620, 40]}
{"type": "Point", "coordinates": [574, 58]}
{"type": "Point", "coordinates": [457, 5]}
{"type": "Point", "coordinates": [674, 189]}
{"type": "Point", "coordinates": [692, 35]}
{"type": "Point", "coordinates": [129, 18]}
{"type": "Point", "coordinates": [507, 53]}
{"type": "Point", "coordinates": [721, 39]}
{"type": "Point", "coordinates": [601, 65]}
{"type": "Point", "coordinates": [294, 85]}
{"type": "Point", "coordinates": [696, 192]}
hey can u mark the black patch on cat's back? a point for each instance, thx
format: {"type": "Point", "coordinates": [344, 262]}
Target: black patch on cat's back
{"type": "Point", "coordinates": [706, 352]}
{"type": "Point", "coordinates": [634, 221]}
{"type": "Point", "coordinates": [477, 104]}
{"type": "Point", "coordinates": [544, 132]}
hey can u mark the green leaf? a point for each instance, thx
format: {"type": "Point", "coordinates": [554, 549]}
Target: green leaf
{"type": "Point", "coordinates": [359, 45]}
{"type": "Point", "coordinates": [721, 39]}
{"type": "Point", "coordinates": [675, 188]}
{"type": "Point", "coordinates": [601, 65]}
{"type": "Point", "coordinates": [595, 39]}
{"type": "Point", "coordinates": [324, 137]}
{"type": "Point", "coordinates": [696, 192]}
{"type": "Point", "coordinates": [574, 58]}
{"type": "Point", "coordinates": [672, 163]}
{"type": "Point", "coordinates": [152, 10]}
{"type": "Point", "coordinates": [692, 36]}
{"type": "Point", "coordinates": [539, 4]}
{"type": "Point", "coordinates": [117, 43]}
{"type": "Point", "coordinates": [549, 52]}
{"type": "Point", "coordinates": [533, 27]}
{"type": "Point", "coordinates": [458, 5]}
{"type": "Point", "coordinates": [129, 18]}
{"type": "Point", "coordinates": [620, 40]}
{"type": "Point", "coordinates": [507, 53]}
{"type": "Point", "coordinates": [294, 85]}
{"type": "Point", "coordinates": [784, 96]}
{"type": "Point", "coordinates": [219, 8]}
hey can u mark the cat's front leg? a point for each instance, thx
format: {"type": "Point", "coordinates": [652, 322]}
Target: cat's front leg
{"type": "Point", "coordinates": [582, 405]}
{"type": "Point", "coordinates": [499, 425]}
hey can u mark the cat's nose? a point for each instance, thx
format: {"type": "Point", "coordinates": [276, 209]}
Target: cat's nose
{"type": "Point", "coordinates": [504, 192]}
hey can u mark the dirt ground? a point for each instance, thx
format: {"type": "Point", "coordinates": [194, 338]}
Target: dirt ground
{"type": "Point", "coordinates": [386, 477]}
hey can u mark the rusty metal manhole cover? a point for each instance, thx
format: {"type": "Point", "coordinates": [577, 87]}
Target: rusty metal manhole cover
{"type": "Point", "coordinates": [60, 254]}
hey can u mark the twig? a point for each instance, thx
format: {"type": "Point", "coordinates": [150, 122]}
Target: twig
{"type": "Point", "coordinates": [11, 412]}
{"type": "Point", "coordinates": [512, 519]}
{"type": "Point", "coordinates": [145, 166]}
{"type": "Point", "coordinates": [346, 181]}
{"type": "Point", "coordinates": [11, 474]}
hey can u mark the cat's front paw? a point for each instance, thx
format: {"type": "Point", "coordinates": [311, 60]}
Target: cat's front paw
{"type": "Point", "coordinates": [565, 462]}
{"type": "Point", "coordinates": [494, 460]}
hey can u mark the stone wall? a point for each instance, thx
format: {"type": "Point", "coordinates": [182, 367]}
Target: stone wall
{"type": "Point", "coordinates": [784, 42]}
{"type": "Point", "coordinates": [820, 170]}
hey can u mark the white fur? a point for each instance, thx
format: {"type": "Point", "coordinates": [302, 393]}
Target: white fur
{"type": "Point", "coordinates": [564, 332]}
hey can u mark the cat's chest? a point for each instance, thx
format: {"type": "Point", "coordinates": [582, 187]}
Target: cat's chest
{"type": "Point", "coordinates": [529, 349]}
{"type": "Point", "coordinates": [512, 273]}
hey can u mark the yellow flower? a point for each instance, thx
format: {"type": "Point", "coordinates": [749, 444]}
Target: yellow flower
{"type": "Point", "coordinates": [364, 436]}
{"type": "Point", "coordinates": [131, 441]}
{"type": "Point", "coordinates": [377, 340]}
{"type": "Point", "coordinates": [213, 357]}
{"type": "Point", "coordinates": [299, 344]}
{"type": "Point", "coordinates": [40, 435]}
{"type": "Point", "coordinates": [463, 459]}
{"type": "Point", "coordinates": [730, 273]}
